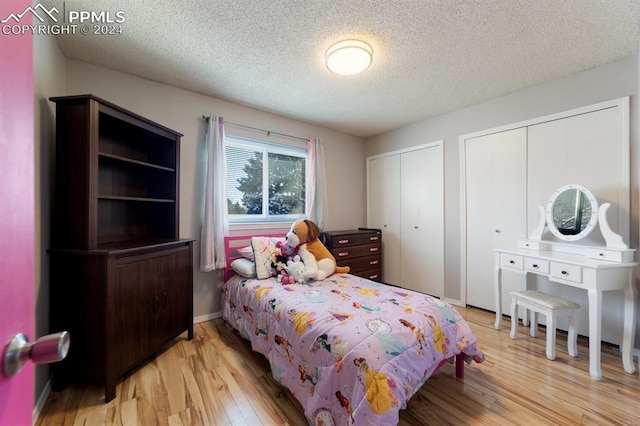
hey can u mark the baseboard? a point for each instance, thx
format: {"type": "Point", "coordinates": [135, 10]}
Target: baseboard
{"type": "Point", "coordinates": [455, 302]}
{"type": "Point", "coordinates": [41, 401]}
{"type": "Point", "coordinates": [208, 317]}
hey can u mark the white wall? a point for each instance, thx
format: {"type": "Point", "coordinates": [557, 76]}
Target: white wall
{"type": "Point", "coordinates": [48, 79]}
{"type": "Point", "coordinates": [181, 110]}
{"type": "Point", "coordinates": [603, 83]}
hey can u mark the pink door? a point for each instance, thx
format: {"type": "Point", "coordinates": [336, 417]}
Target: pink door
{"type": "Point", "coordinates": [16, 207]}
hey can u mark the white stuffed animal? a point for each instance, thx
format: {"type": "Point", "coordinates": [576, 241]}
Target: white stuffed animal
{"type": "Point", "coordinates": [296, 269]}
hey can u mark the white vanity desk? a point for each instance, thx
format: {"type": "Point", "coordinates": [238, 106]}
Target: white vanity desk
{"type": "Point", "coordinates": [592, 275]}
{"type": "Point", "coordinates": [571, 214]}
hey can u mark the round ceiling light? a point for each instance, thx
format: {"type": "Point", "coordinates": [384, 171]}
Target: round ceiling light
{"type": "Point", "coordinates": [348, 57]}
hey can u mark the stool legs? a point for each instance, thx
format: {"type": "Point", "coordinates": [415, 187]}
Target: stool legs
{"type": "Point", "coordinates": [572, 338]}
{"type": "Point", "coordinates": [533, 327]}
{"type": "Point", "coordinates": [514, 318]}
{"type": "Point", "coordinates": [551, 336]}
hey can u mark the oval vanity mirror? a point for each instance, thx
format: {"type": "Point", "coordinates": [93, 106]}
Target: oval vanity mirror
{"type": "Point", "coordinates": [572, 212]}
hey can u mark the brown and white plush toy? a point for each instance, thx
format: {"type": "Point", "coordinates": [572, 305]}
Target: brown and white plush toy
{"type": "Point", "coordinates": [317, 259]}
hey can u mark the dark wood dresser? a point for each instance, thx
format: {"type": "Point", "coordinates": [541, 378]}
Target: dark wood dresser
{"type": "Point", "coordinates": [360, 249]}
{"type": "Point", "coordinates": [121, 279]}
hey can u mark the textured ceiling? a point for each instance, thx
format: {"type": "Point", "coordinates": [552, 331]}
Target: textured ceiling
{"type": "Point", "coordinates": [430, 56]}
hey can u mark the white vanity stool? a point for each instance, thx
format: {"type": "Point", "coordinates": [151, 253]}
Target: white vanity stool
{"type": "Point", "coordinates": [550, 306]}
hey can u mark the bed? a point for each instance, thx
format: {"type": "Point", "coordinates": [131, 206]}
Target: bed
{"type": "Point", "coordinates": [351, 350]}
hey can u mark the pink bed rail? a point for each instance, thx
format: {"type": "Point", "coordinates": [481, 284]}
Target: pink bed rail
{"type": "Point", "coordinates": [231, 245]}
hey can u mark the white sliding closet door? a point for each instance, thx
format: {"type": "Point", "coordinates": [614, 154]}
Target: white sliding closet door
{"type": "Point", "coordinates": [383, 211]}
{"type": "Point", "coordinates": [496, 208]}
{"type": "Point", "coordinates": [422, 220]}
{"type": "Point", "coordinates": [406, 200]}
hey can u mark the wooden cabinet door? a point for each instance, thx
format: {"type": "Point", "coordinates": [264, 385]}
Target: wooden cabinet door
{"type": "Point", "coordinates": [149, 303]}
{"type": "Point", "coordinates": [495, 199]}
{"type": "Point", "coordinates": [169, 278]}
{"type": "Point", "coordinates": [383, 211]}
{"type": "Point", "coordinates": [131, 309]}
{"type": "Point", "coordinates": [422, 220]}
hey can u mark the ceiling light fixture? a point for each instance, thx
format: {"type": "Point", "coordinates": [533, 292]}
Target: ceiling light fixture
{"type": "Point", "coordinates": [348, 57]}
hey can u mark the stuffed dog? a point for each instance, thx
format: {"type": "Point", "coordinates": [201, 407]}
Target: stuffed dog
{"type": "Point", "coordinates": [318, 261]}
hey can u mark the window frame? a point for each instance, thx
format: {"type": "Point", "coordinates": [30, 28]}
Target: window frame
{"type": "Point", "coordinates": [264, 220]}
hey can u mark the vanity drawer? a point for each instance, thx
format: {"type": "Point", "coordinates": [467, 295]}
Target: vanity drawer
{"type": "Point", "coordinates": [566, 272]}
{"type": "Point", "coordinates": [536, 265]}
{"type": "Point", "coordinates": [602, 253]}
{"type": "Point", "coordinates": [511, 261]}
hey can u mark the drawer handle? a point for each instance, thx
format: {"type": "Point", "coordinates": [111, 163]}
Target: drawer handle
{"type": "Point", "coordinates": [343, 254]}
{"type": "Point", "coordinates": [373, 262]}
{"type": "Point", "coordinates": [374, 238]}
{"type": "Point", "coordinates": [343, 241]}
{"type": "Point", "coordinates": [564, 273]}
{"type": "Point", "coordinates": [373, 277]}
{"type": "Point", "coordinates": [512, 262]}
{"type": "Point", "coordinates": [600, 254]}
{"type": "Point", "coordinates": [535, 265]}
{"type": "Point", "coordinates": [373, 249]}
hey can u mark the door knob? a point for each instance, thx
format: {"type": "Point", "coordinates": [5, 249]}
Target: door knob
{"type": "Point", "coordinates": [50, 348]}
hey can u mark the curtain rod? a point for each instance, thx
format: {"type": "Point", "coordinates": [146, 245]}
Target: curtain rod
{"type": "Point", "coordinates": [255, 129]}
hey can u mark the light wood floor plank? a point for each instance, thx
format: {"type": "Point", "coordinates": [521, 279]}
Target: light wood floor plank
{"type": "Point", "coordinates": [216, 379]}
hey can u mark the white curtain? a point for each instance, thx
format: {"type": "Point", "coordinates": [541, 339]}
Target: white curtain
{"type": "Point", "coordinates": [214, 221]}
{"type": "Point", "coordinates": [316, 193]}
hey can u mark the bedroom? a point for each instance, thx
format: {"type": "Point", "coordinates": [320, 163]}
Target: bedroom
{"type": "Point", "coordinates": [56, 75]}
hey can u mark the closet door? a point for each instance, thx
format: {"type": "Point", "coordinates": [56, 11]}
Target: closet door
{"type": "Point", "coordinates": [495, 198]}
{"type": "Point", "coordinates": [582, 149]}
{"type": "Point", "coordinates": [383, 211]}
{"type": "Point", "coordinates": [422, 220]}
{"type": "Point", "coordinates": [586, 149]}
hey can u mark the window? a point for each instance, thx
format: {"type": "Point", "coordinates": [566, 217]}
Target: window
{"type": "Point", "coordinates": [265, 181]}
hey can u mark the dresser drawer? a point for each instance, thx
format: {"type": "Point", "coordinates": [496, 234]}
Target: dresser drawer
{"type": "Point", "coordinates": [511, 261]}
{"type": "Point", "coordinates": [355, 239]}
{"type": "Point", "coordinates": [372, 274]}
{"type": "Point", "coordinates": [362, 263]}
{"type": "Point", "coordinates": [350, 252]}
{"type": "Point", "coordinates": [536, 265]}
{"type": "Point", "coordinates": [566, 272]}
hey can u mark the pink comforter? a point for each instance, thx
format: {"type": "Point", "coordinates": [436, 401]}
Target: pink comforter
{"type": "Point", "coordinates": [352, 351]}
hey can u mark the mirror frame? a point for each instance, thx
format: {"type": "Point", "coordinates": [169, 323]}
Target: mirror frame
{"type": "Point", "coordinates": [592, 221]}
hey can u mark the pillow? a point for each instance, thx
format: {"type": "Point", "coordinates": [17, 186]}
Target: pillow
{"type": "Point", "coordinates": [244, 267]}
{"type": "Point", "coordinates": [264, 250]}
{"type": "Point", "coordinates": [246, 252]}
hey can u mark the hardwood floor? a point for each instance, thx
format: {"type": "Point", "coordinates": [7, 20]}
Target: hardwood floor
{"type": "Point", "coordinates": [217, 379]}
